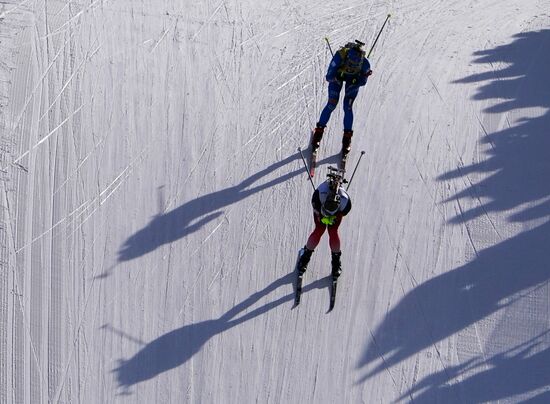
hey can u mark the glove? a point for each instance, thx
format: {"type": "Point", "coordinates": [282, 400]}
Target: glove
{"type": "Point", "coordinates": [328, 220]}
{"type": "Point", "coordinates": [364, 78]}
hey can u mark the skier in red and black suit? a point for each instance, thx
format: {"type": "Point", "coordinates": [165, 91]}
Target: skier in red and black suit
{"type": "Point", "coordinates": [330, 204]}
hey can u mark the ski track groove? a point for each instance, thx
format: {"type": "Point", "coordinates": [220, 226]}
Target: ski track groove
{"type": "Point", "coordinates": [201, 270]}
{"type": "Point", "coordinates": [208, 21]}
{"type": "Point", "coordinates": [90, 7]}
{"type": "Point", "coordinates": [79, 166]}
{"type": "Point", "coordinates": [276, 118]}
{"type": "Point", "coordinates": [471, 189]}
{"type": "Point", "coordinates": [289, 116]}
{"type": "Point", "coordinates": [65, 85]}
{"type": "Point", "coordinates": [33, 93]}
{"type": "Point", "coordinates": [386, 366]}
{"type": "Point", "coordinates": [420, 308]}
{"type": "Point", "coordinates": [18, 292]}
{"type": "Point", "coordinates": [42, 140]}
{"type": "Point", "coordinates": [76, 332]}
{"type": "Point", "coordinates": [130, 168]}
{"type": "Point", "coordinates": [11, 10]}
{"type": "Point", "coordinates": [160, 40]}
{"type": "Point", "coordinates": [466, 227]}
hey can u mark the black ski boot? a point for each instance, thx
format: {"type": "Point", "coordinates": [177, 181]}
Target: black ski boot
{"type": "Point", "coordinates": [304, 259]}
{"type": "Point", "coordinates": [346, 141]}
{"type": "Point", "coordinates": [317, 136]}
{"type": "Point", "coordinates": [336, 264]}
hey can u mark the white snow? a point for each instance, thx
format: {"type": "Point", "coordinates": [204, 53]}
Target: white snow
{"type": "Point", "coordinates": [153, 203]}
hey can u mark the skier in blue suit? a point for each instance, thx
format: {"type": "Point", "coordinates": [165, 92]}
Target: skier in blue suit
{"type": "Point", "coordinates": [350, 66]}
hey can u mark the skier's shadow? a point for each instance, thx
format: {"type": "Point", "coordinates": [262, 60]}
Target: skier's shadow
{"type": "Point", "coordinates": [191, 216]}
{"type": "Point", "coordinates": [176, 347]}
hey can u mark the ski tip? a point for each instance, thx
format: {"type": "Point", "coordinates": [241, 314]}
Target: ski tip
{"type": "Point", "coordinates": [363, 152]}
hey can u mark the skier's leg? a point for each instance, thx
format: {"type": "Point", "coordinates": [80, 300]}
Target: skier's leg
{"type": "Point", "coordinates": [334, 89]}
{"type": "Point", "coordinates": [317, 233]}
{"type": "Point", "coordinates": [334, 242]}
{"type": "Point", "coordinates": [312, 242]}
{"type": "Point", "coordinates": [333, 237]}
{"type": "Point", "coordinates": [351, 93]}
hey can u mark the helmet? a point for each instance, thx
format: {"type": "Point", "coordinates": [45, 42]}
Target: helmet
{"type": "Point", "coordinates": [355, 45]}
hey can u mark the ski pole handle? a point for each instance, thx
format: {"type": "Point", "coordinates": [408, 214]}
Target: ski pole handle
{"type": "Point", "coordinates": [305, 166]}
{"type": "Point", "coordinates": [329, 47]}
{"type": "Point", "coordinates": [378, 36]}
{"type": "Point", "coordinates": [355, 169]}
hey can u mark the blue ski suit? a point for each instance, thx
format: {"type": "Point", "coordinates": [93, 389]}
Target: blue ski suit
{"type": "Point", "coordinates": [336, 79]}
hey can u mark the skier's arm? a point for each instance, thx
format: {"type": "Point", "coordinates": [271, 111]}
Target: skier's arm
{"type": "Point", "coordinates": [316, 201]}
{"type": "Point", "coordinates": [365, 72]}
{"type": "Point", "coordinates": [347, 208]}
{"type": "Point", "coordinates": [333, 66]}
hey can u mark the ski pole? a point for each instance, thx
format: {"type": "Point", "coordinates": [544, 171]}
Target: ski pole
{"type": "Point", "coordinates": [329, 47]}
{"type": "Point", "coordinates": [305, 166]}
{"type": "Point", "coordinates": [355, 169]}
{"type": "Point", "coordinates": [378, 36]}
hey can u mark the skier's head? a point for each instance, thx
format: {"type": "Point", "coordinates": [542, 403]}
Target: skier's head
{"type": "Point", "coordinates": [355, 45]}
{"type": "Point", "coordinates": [331, 205]}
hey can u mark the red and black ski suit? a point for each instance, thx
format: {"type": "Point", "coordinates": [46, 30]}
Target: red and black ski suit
{"type": "Point", "coordinates": [317, 201]}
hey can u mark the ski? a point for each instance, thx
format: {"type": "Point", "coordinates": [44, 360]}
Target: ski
{"type": "Point", "coordinates": [333, 292]}
{"type": "Point", "coordinates": [314, 146]}
{"type": "Point", "coordinates": [343, 161]}
{"type": "Point", "coordinates": [299, 280]}
{"type": "Point", "coordinates": [313, 161]}
{"type": "Point", "coordinates": [305, 166]}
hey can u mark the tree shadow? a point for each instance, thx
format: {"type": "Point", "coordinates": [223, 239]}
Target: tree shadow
{"type": "Point", "coordinates": [520, 370]}
{"type": "Point", "coordinates": [191, 216]}
{"type": "Point", "coordinates": [514, 178]}
{"type": "Point", "coordinates": [176, 347]}
{"type": "Point", "coordinates": [448, 303]}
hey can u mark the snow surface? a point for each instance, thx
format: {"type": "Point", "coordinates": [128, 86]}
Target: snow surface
{"type": "Point", "coordinates": [153, 203]}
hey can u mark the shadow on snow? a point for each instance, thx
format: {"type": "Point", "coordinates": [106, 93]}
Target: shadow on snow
{"type": "Point", "coordinates": [515, 173]}
{"type": "Point", "coordinates": [176, 347]}
{"type": "Point", "coordinates": [192, 215]}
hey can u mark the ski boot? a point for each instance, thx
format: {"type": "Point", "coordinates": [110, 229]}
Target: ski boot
{"type": "Point", "coordinates": [317, 136]}
{"type": "Point", "coordinates": [304, 260]}
{"type": "Point", "coordinates": [346, 142]}
{"type": "Point", "coordinates": [336, 264]}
